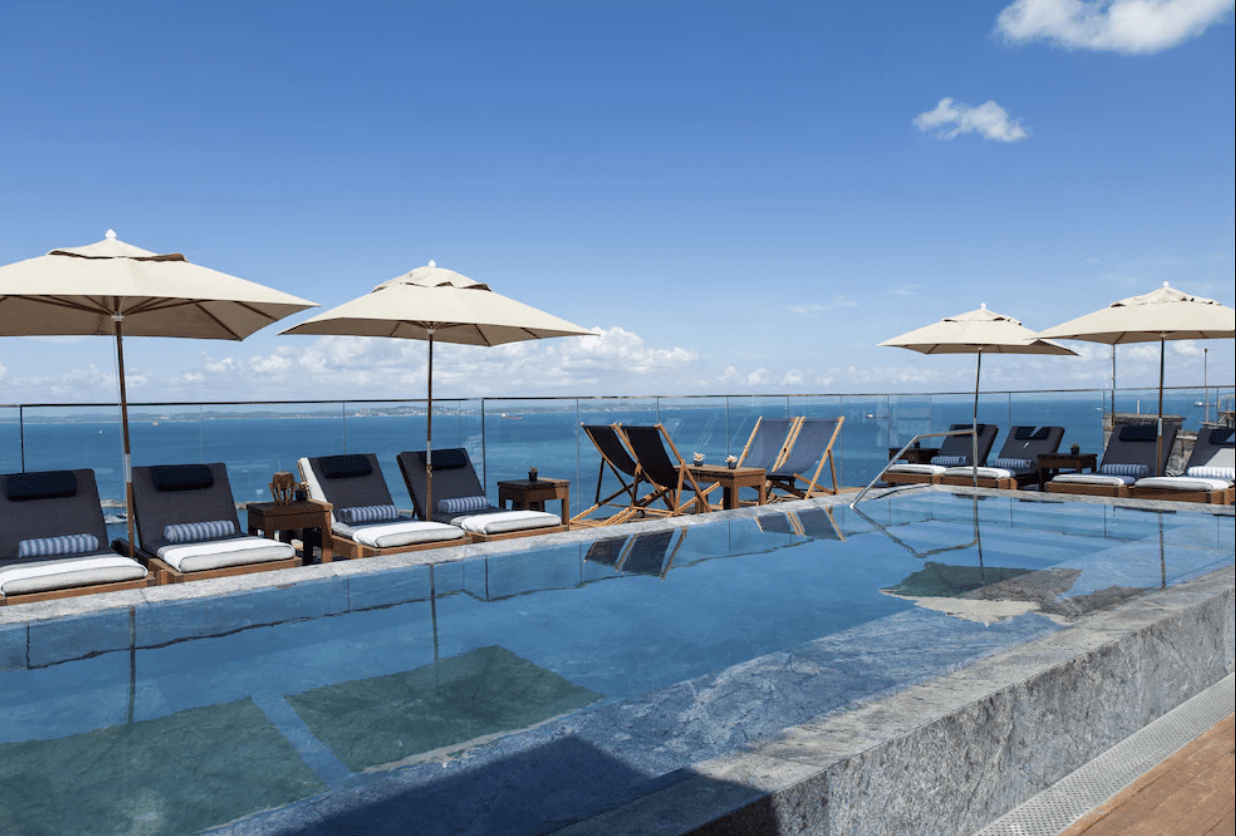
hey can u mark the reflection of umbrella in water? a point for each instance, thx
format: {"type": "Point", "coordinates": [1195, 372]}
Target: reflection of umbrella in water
{"type": "Point", "coordinates": [943, 580]}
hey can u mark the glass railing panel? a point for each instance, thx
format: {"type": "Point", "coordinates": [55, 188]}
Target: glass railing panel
{"type": "Point", "coordinates": [993, 408]}
{"type": "Point", "coordinates": [71, 437]}
{"type": "Point", "coordinates": [866, 436]}
{"type": "Point", "coordinates": [10, 439]}
{"type": "Point", "coordinates": [1080, 413]}
{"type": "Point", "coordinates": [697, 425]}
{"type": "Point", "coordinates": [521, 434]}
{"type": "Point", "coordinates": [908, 415]}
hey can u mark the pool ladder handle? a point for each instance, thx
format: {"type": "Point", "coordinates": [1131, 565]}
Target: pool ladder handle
{"type": "Point", "coordinates": [901, 453]}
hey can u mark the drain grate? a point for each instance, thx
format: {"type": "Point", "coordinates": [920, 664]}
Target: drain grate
{"type": "Point", "coordinates": [1057, 807]}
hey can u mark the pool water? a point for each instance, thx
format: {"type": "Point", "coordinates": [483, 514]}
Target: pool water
{"type": "Point", "coordinates": [515, 692]}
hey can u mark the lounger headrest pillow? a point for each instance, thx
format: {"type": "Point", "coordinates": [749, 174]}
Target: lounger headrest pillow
{"type": "Point", "coordinates": [1139, 432]}
{"type": "Point", "coordinates": [345, 467]}
{"type": "Point", "coordinates": [1031, 434]}
{"type": "Point", "coordinates": [451, 458]}
{"type": "Point", "coordinates": [181, 477]}
{"type": "Point", "coordinates": [1221, 436]}
{"type": "Point", "coordinates": [981, 427]}
{"type": "Point", "coordinates": [48, 484]}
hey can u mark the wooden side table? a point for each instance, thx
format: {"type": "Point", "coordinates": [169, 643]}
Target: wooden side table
{"type": "Point", "coordinates": [532, 496]}
{"type": "Point", "coordinates": [285, 520]}
{"type": "Point", "coordinates": [731, 480]}
{"type": "Point", "coordinates": [1051, 464]}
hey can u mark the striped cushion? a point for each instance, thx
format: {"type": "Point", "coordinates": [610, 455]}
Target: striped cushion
{"type": "Point", "coordinates": [948, 461]}
{"type": "Point", "coordinates": [1137, 471]}
{"type": "Point", "coordinates": [1013, 464]}
{"type": "Point", "coordinates": [1228, 473]}
{"type": "Point", "coordinates": [463, 504]}
{"type": "Point", "coordinates": [192, 532]}
{"type": "Point", "coordinates": [367, 514]}
{"type": "Point", "coordinates": [56, 546]}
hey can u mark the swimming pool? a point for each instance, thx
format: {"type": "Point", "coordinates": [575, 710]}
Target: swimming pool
{"type": "Point", "coordinates": [516, 692]}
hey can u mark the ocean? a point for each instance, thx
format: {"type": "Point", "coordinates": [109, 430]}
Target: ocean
{"type": "Point", "coordinates": [505, 438]}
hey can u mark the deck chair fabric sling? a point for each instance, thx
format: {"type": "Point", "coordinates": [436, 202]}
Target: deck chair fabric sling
{"type": "Point", "coordinates": [187, 526]}
{"type": "Point", "coordinates": [1130, 455]}
{"type": "Point", "coordinates": [460, 500]}
{"type": "Point", "coordinates": [364, 519]}
{"type": "Point", "coordinates": [769, 441]}
{"type": "Point", "coordinates": [954, 452]}
{"type": "Point", "coordinates": [615, 457]}
{"type": "Point", "coordinates": [798, 474]}
{"type": "Point", "coordinates": [53, 539]}
{"type": "Point", "coordinates": [1017, 465]}
{"type": "Point", "coordinates": [669, 477]}
{"type": "Point", "coordinates": [1209, 474]}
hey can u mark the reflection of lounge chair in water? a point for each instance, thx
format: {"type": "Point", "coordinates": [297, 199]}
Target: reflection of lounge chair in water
{"type": "Point", "coordinates": [816, 523]}
{"type": "Point", "coordinates": [639, 554]}
{"type": "Point", "coordinates": [616, 457]}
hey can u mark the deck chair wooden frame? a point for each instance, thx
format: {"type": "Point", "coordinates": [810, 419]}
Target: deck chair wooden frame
{"type": "Point", "coordinates": [788, 480]}
{"type": "Point", "coordinates": [615, 455]}
{"type": "Point", "coordinates": [666, 488]}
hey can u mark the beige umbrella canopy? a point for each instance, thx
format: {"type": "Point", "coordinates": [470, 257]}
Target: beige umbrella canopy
{"type": "Point", "coordinates": [434, 304]}
{"type": "Point", "coordinates": [113, 288]}
{"type": "Point", "coordinates": [976, 332]}
{"type": "Point", "coordinates": [1161, 315]}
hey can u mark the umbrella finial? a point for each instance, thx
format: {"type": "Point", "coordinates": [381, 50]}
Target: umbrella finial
{"type": "Point", "coordinates": [983, 305]}
{"type": "Point", "coordinates": [432, 263]}
{"type": "Point", "coordinates": [111, 235]}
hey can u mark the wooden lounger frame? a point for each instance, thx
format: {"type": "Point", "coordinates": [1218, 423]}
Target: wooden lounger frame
{"type": "Point", "coordinates": [74, 591]}
{"type": "Point", "coordinates": [1223, 496]}
{"type": "Point", "coordinates": [670, 495]}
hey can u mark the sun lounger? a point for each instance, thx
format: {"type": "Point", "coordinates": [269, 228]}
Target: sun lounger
{"type": "Point", "coordinates": [670, 478]}
{"type": "Point", "coordinates": [1017, 465]}
{"type": "Point", "coordinates": [1130, 455]}
{"type": "Point", "coordinates": [53, 539]}
{"type": "Point", "coordinates": [364, 519]}
{"type": "Point", "coordinates": [954, 452]}
{"type": "Point", "coordinates": [187, 527]}
{"type": "Point", "coordinates": [1208, 475]}
{"type": "Point", "coordinates": [461, 501]}
{"type": "Point", "coordinates": [616, 457]}
{"type": "Point", "coordinates": [810, 447]}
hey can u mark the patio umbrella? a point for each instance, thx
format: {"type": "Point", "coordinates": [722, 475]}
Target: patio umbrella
{"type": "Point", "coordinates": [114, 288]}
{"type": "Point", "coordinates": [976, 332]}
{"type": "Point", "coordinates": [1161, 315]}
{"type": "Point", "coordinates": [434, 304]}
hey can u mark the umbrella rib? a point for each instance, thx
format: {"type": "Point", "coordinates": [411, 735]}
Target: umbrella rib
{"type": "Point", "coordinates": [58, 302]}
{"type": "Point", "coordinates": [220, 323]}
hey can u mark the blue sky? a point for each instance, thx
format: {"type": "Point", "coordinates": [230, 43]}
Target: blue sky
{"type": "Point", "coordinates": [739, 197]}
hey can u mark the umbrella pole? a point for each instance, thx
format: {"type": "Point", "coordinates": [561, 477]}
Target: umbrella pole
{"type": "Point", "coordinates": [118, 319]}
{"type": "Point", "coordinates": [978, 368]}
{"type": "Point", "coordinates": [429, 439]}
{"type": "Point", "coordinates": [1158, 443]}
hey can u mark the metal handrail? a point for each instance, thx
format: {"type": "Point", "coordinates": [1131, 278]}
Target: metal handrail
{"type": "Point", "coordinates": [901, 452]}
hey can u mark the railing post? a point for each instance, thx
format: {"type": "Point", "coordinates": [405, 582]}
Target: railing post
{"type": "Point", "coordinates": [21, 429]}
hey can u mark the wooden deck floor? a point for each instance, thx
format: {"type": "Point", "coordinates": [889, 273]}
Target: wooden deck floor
{"type": "Point", "coordinates": [1192, 793]}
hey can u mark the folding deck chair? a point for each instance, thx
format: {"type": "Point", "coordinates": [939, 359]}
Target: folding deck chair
{"type": "Point", "coordinates": [954, 452]}
{"type": "Point", "coordinates": [1017, 465]}
{"type": "Point", "coordinates": [364, 519]}
{"type": "Point", "coordinates": [669, 477]}
{"type": "Point", "coordinates": [1130, 455]}
{"type": "Point", "coordinates": [1209, 473]}
{"type": "Point", "coordinates": [187, 527]}
{"type": "Point", "coordinates": [770, 439]}
{"type": "Point", "coordinates": [615, 456]}
{"type": "Point", "coordinates": [53, 539]}
{"type": "Point", "coordinates": [810, 446]}
{"type": "Point", "coordinates": [461, 500]}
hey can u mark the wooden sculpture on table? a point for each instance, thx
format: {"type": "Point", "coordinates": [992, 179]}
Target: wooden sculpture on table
{"type": "Point", "coordinates": [283, 488]}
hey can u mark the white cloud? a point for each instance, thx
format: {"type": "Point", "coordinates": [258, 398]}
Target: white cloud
{"type": "Point", "coordinates": [1130, 26]}
{"type": "Point", "coordinates": [817, 308]}
{"type": "Point", "coordinates": [989, 120]}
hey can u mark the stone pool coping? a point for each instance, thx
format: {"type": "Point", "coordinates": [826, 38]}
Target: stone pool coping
{"type": "Point", "coordinates": [100, 602]}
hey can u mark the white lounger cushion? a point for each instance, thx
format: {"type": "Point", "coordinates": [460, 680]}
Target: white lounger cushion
{"type": "Point", "coordinates": [983, 472]}
{"type": "Point", "coordinates": [68, 572]}
{"type": "Point", "coordinates": [1094, 479]}
{"type": "Point", "coordinates": [402, 533]}
{"type": "Point", "coordinates": [504, 521]}
{"type": "Point", "coordinates": [216, 554]}
{"type": "Point", "coordinates": [1182, 483]}
{"type": "Point", "coordinates": [931, 469]}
